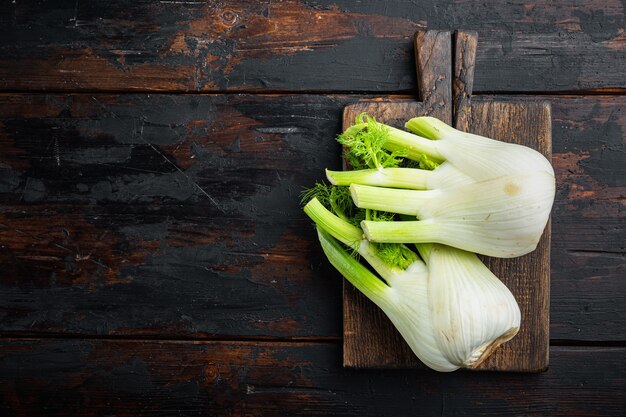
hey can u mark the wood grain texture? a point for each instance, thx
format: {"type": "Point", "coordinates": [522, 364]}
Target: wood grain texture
{"type": "Point", "coordinates": [433, 62]}
{"type": "Point", "coordinates": [302, 45]}
{"type": "Point", "coordinates": [465, 44]}
{"type": "Point", "coordinates": [152, 378]}
{"type": "Point", "coordinates": [164, 215]}
{"type": "Point", "coordinates": [588, 204]}
{"type": "Point", "coordinates": [176, 266]}
{"type": "Point", "coordinates": [370, 340]}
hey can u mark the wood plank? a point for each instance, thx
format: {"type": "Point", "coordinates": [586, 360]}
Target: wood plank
{"type": "Point", "coordinates": [126, 207]}
{"type": "Point", "coordinates": [109, 215]}
{"type": "Point", "coordinates": [300, 45]}
{"type": "Point", "coordinates": [433, 64]}
{"type": "Point", "coordinates": [465, 44]}
{"type": "Point", "coordinates": [157, 378]}
{"type": "Point", "coordinates": [589, 217]}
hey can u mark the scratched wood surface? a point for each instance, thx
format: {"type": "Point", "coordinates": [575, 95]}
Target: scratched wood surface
{"type": "Point", "coordinates": [95, 242]}
{"type": "Point", "coordinates": [302, 45]}
{"type": "Point", "coordinates": [154, 258]}
{"type": "Point", "coordinates": [230, 378]}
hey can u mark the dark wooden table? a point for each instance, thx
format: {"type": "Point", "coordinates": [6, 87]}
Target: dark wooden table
{"type": "Point", "coordinates": [154, 258]}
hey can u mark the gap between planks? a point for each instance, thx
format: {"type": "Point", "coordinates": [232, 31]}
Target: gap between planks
{"type": "Point", "coordinates": [303, 340]}
{"type": "Point", "coordinates": [408, 94]}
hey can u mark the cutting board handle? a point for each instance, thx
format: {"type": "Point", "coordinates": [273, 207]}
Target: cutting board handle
{"type": "Point", "coordinates": [465, 45]}
{"type": "Point", "coordinates": [446, 95]}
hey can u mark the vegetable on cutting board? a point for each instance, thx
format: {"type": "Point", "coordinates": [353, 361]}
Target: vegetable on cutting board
{"type": "Point", "coordinates": [470, 194]}
{"type": "Point", "coordinates": [485, 196]}
{"type": "Point", "coordinates": [451, 310]}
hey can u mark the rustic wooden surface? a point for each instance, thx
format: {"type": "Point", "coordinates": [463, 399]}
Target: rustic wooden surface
{"type": "Point", "coordinates": [229, 378]}
{"type": "Point", "coordinates": [433, 65]}
{"type": "Point", "coordinates": [303, 45]}
{"type": "Point", "coordinates": [464, 45]}
{"type": "Point", "coordinates": [154, 257]}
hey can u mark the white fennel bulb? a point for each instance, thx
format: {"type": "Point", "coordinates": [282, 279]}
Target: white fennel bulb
{"type": "Point", "coordinates": [483, 196]}
{"type": "Point", "coordinates": [451, 310]}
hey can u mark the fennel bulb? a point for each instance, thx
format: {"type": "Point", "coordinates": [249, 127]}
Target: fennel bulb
{"type": "Point", "coordinates": [451, 310]}
{"type": "Point", "coordinates": [483, 195]}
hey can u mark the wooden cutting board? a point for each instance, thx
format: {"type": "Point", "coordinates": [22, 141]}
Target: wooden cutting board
{"type": "Point", "coordinates": [445, 89]}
